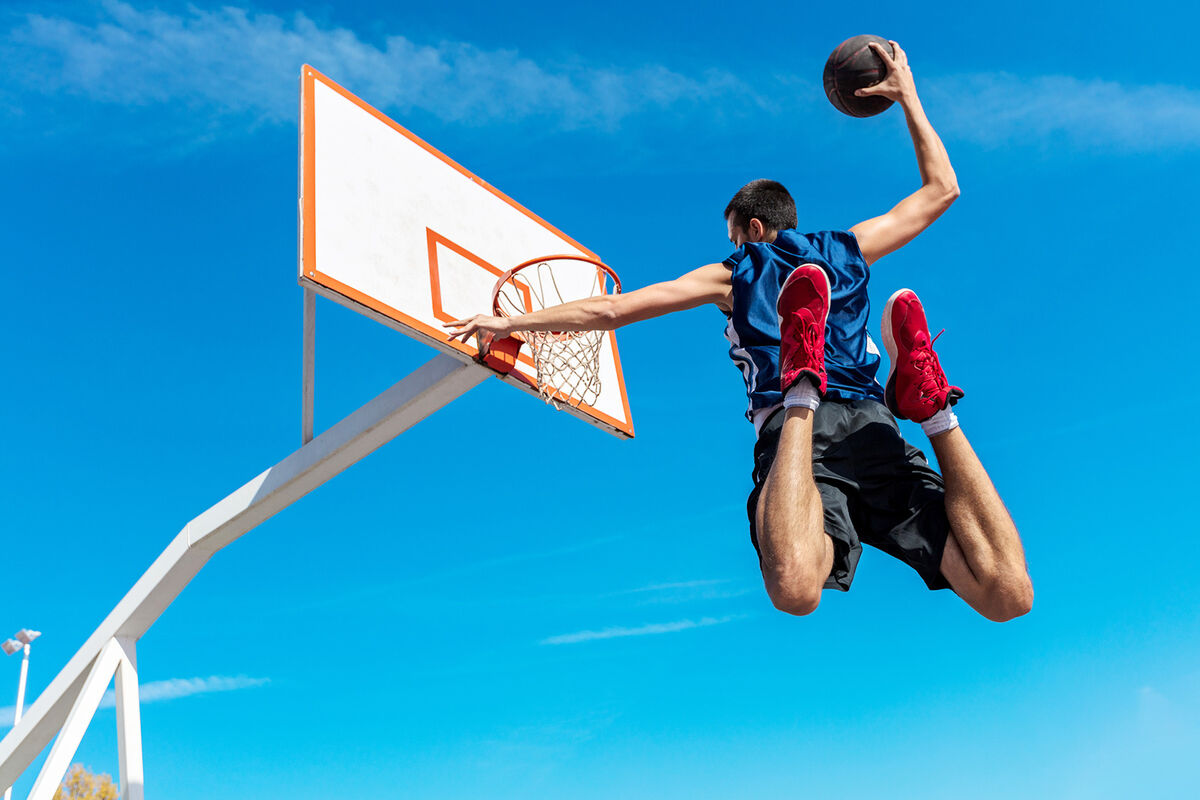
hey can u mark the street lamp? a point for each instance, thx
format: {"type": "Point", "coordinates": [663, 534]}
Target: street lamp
{"type": "Point", "coordinates": [20, 641]}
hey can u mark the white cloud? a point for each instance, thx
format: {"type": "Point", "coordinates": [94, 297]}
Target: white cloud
{"type": "Point", "coordinates": [157, 691]}
{"type": "Point", "coordinates": [684, 591]}
{"type": "Point", "coordinates": [233, 60]}
{"type": "Point", "coordinates": [234, 63]}
{"type": "Point", "coordinates": [998, 109]}
{"type": "Point", "coordinates": [644, 630]}
{"type": "Point", "coordinates": [530, 753]}
{"type": "Point", "coordinates": [185, 687]}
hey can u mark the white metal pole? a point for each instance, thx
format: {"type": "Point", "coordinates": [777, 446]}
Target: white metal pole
{"type": "Point", "coordinates": [21, 686]}
{"type": "Point", "coordinates": [346, 443]}
{"type": "Point", "coordinates": [54, 768]}
{"type": "Point", "coordinates": [129, 723]}
{"type": "Point", "coordinates": [20, 702]}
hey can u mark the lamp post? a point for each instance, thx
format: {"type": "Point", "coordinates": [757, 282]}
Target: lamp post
{"type": "Point", "coordinates": [20, 641]}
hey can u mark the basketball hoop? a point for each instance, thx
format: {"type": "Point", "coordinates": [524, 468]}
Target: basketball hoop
{"type": "Point", "coordinates": [567, 363]}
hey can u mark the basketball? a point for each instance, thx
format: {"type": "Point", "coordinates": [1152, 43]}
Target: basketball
{"type": "Point", "coordinates": [854, 65]}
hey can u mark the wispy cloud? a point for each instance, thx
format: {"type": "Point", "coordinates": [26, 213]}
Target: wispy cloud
{"type": "Point", "coordinates": [211, 72]}
{"type": "Point", "coordinates": [530, 753]}
{"type": "Point", "coordinates": [652, 629]}
{"type": "Point", "coordinates": [995, 109]}
{"type": "Point", "coordinates": [442, 577]}
{"type": "Point", "coordinates": [684, 591]}
{"type": "Point", "coordinates": [236, 61]}
{"type": "Point", "coordinates": [171, 689]}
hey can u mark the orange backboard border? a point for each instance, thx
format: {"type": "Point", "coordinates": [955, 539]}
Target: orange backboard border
{"type": "Point", "coordinates": [310, 274]}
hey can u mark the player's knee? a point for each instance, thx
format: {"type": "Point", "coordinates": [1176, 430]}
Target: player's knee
{"type": "Point", "coordinates": [1008, 599]}
{"type": "Point", "coordinates": [796, 598]}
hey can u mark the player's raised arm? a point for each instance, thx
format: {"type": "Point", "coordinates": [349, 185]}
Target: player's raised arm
{"type": "Point", "coordinates": [708, 284]}
{"type": "Point", "coordinates": [939, 186]}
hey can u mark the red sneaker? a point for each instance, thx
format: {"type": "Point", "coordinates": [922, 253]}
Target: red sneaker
{"type": "Point", "coordinates": [916, 385]}
{"type": "Point", "coordinates": [803, 306]}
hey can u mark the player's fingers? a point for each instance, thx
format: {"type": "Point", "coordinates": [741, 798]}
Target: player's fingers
{"type": "Point", "coordinates": [900, 57]}
{"type": "Point", "coordinates": [867, 91]}
{"type": "Point", "coordinates": [884, 54]}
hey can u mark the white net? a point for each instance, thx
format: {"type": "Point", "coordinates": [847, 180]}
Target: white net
{"type": "Point", "coordinates": [567, 362]}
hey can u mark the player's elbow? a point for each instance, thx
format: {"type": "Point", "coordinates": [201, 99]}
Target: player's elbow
{"type": "Point", "coordinates": [947, 193]}
{"type": "Point", "coordinates": [948, 186]}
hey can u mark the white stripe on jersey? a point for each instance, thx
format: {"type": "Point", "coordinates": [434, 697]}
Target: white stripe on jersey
{"type": "Point", "coordinates": [744, 362]}
{"type": "Point", "coordinates": [871, 348]}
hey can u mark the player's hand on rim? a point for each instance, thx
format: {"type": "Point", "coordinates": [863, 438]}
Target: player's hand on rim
{"type": "Point", "coordinates": [480, 323]}
{"type": "Point", "coordinates": [898, 85]}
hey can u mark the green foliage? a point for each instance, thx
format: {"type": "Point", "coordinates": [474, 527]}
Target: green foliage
{"type": "Point", "coordinates": [83, 785]}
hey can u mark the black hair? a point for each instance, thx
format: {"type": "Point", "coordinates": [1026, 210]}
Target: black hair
{"type": "Point", "coordinates": [765, 200]}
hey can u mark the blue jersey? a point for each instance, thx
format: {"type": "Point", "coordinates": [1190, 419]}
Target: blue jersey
{"type": "Point", "coordinates": [759, 270]}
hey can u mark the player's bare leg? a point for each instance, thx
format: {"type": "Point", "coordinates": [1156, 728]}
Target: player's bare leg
{"type": "Point", "coordinates": [984, 561]}
{"type": "Point", "coordinates": [797, 555]}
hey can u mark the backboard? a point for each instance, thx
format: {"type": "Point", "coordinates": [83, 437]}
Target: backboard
{"type": "Point", "coordinates": [396, 230]}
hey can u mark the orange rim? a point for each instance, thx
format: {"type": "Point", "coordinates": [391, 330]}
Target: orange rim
{"type": "Point", "coordinates": [506, 277]}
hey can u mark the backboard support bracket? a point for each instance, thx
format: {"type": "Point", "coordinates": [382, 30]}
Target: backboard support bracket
{"type": "Point", "coordinates": [308, 370]}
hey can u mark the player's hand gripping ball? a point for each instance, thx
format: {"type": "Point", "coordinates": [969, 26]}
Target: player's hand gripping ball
{"type": "Point", "coordinates": [853, 65]}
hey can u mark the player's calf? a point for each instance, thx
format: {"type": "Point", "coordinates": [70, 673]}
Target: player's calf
{"type": "Point", "coordinates": [983, 559]}
{"type": "Point", "coordinates": [796, 555]}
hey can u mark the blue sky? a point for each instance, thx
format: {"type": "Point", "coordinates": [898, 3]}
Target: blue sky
{"type": "Point", "coordinates": [393, 635]}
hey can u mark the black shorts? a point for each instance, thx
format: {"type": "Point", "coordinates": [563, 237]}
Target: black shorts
{"type": "Point", "coordinates": [875, 488]}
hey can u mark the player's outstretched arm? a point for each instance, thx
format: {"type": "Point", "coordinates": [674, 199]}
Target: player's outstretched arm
{"type": "Point", "coordinates": [708, 284]}
{"type": "Point", "coordinates": [939, 186]}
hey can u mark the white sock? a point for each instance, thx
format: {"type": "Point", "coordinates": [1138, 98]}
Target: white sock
{"type": "Point", "coordinates": [802, 394]}
{"type": "Point", "coordinates": [942, 421]}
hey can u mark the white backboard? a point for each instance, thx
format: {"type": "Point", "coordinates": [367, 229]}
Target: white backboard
{"type": "Point", "coordinates": [394, 229]}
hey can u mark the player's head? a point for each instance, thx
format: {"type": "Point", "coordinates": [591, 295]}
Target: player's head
{"type": "Point", "coordinates": [758, 211]}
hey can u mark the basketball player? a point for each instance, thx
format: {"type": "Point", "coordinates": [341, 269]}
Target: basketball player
{"type": "Point", "coordinates": [831, 470]}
